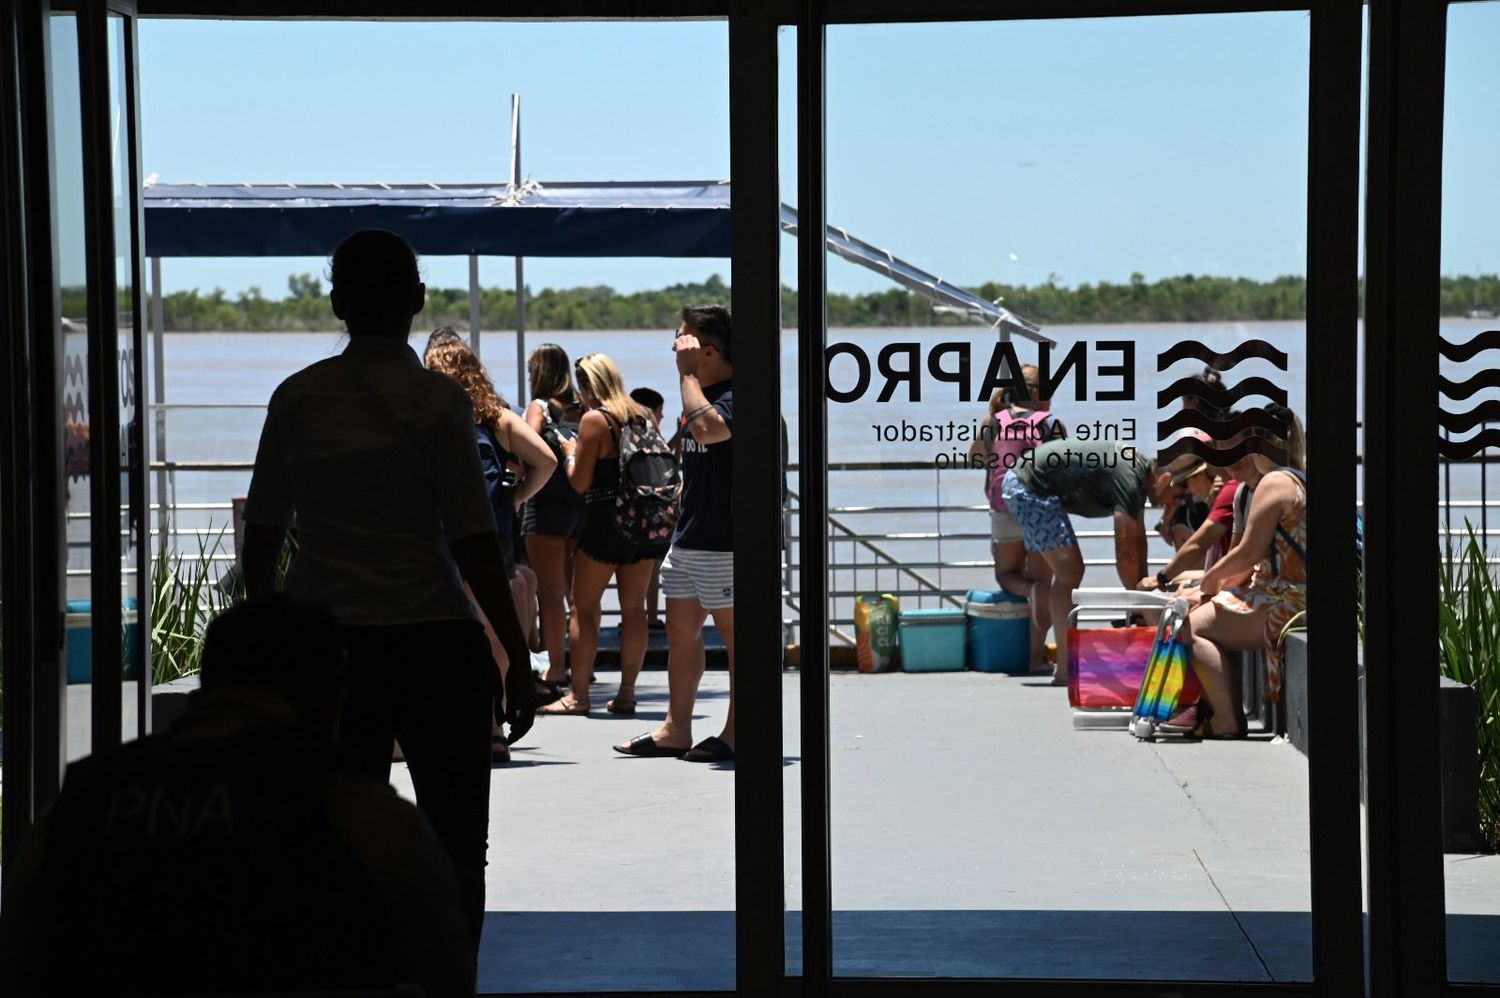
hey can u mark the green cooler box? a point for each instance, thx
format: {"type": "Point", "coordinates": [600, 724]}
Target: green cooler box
{"type": "Point", "coordinates": [932, 640]}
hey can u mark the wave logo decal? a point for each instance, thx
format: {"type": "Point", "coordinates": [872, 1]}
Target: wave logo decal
{"type": "Point", "coordinates": [1481, 415]}
{"type": "Point", "coordinates": [1209, 401]}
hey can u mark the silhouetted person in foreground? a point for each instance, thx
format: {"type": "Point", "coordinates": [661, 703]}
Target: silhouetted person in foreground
{"type": "Point", "coordinates": [243, 851]}
{"type": "Point", "coordinates": [376, 458]}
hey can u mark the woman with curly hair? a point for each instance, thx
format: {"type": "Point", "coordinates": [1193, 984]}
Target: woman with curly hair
{"type": "Point", "coordinates": [516, 463]}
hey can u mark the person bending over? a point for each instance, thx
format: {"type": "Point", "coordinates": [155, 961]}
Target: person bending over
{"type": "Point", "coordinates": [1085, 478]}
{"type": "Point", "coordinates": [1013, 427]}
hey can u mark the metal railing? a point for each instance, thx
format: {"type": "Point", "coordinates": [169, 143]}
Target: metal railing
{"type": "Point", "coordinates": [864, 557]}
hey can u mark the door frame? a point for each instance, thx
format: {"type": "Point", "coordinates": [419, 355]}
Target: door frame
{"type": "Point", "coordinates": [1405, 79]}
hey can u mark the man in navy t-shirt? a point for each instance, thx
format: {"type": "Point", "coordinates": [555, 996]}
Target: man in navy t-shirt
{"type": "Point", "coordinates": [697, 576]}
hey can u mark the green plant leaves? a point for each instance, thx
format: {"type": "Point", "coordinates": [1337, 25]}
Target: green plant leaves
{"type": "Point", "coordinates": [1469, 648]}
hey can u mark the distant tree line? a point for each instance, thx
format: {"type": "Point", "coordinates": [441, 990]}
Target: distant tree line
{"type": "Point", "coordinates": [1172, 299]}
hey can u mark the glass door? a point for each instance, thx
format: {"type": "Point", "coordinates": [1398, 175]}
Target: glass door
{"type": "Point", "coordinates": [980, 824]}
{"type": "Point", "coordinates": [98, 237]}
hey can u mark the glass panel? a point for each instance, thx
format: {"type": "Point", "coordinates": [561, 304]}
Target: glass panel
{"type": "Point", "coordinates": [1137, 187]}
{"type": "Point", "coordinates": [127, 281]}
{"type": "Point", "coordinates": [1469, 700]}
{"type": "Point", "coordinates": [590, 853]}
{"type": "Point", "coordinates": [791, 688]}
{"type": "Point", "coordinates": [67, 151]}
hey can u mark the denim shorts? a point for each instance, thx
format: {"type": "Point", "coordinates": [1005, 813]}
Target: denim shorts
{"type": "Point", "coordinates": [1044, 522]}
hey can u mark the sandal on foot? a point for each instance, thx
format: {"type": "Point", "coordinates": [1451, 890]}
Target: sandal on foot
{"type": "Point", "coordinates": [546, 692]}
{"type": "Point", "coordinates": [647, 748]}
{"type": "Point", "coordinates": [624, 706]}
{"type": "Point", "coordinates": [566, 705]}
{"type": "Point", "coordinates": [1204, 729]}
{"type": "Point", "coordinates": [711, 749]}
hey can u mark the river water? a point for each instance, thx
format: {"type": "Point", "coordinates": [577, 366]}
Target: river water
{"type": "Point", "coordinates": [243, 369]}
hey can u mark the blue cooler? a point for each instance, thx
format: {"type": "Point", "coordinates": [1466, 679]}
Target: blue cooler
{"type": "Point", "coordinates": [999, 631]}
{"type": "Point", "coordinates": [80, 637]}
{"type": "Point", "coordinates": [932, 640]}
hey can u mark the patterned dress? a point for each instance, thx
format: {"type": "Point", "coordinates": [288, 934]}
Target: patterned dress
{"type": "Point", "coordinates": [1278, 582]}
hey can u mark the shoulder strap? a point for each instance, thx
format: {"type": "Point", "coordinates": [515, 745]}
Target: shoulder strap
{"type": "Point", "coordinates": [1281, 531]}
{"type": "Point", "coordinates": [614, 426]}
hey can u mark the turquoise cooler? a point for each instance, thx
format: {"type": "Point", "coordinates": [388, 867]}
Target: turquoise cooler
{"type": "Point", "coordinates": [932, 640]}
{"type": "Point", "coordinates": [999, 631]}
{"type": "Point", "coordinates": [80, 637]}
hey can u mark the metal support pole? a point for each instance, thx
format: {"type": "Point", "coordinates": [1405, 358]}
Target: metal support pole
{"type": "Point", "coordinates": [103, 366]}
{"type": "Point", "coordinates": [812, 446]}
{"type": "Point", "coordinates": [159, 401]}
{"type": "Point", "coordinates": [17, 496]}
{"type": "Point", "coordinates": [515, 179]}
{"type": "Point", "coordinates": [1332, 333]}
{"type": "Point", "coordinates": [759, 871]}
{"type": "Point", "coordinates": [474, 303]}
{"type": "Point", "coordinates": [521, 393]}
{"type": "Point", "coordinates": [1407, 954]}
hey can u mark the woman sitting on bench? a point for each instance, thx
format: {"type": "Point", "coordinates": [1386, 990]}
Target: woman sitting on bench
{"type": "Point", "coordinates": [1250, 594]}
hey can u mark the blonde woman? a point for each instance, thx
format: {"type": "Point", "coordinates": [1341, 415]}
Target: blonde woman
{"type": "Point", "coordinates": [593, 469]}
{"type": "Point", "coordinates": [550, 522]}
{"type": "Point", "coordinates": [504, 441]}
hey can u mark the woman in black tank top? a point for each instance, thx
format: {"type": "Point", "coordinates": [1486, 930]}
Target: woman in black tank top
{"type": "Point", "coordinates": [551, 520]}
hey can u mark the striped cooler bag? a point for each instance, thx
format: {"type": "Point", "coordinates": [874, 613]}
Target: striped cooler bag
{"type": "Point", "coordinates": [1169, 683]}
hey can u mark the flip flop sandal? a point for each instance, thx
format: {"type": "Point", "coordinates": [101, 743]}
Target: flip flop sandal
{"type": "Point", "coordinates": [567, 705]}
{"type": "Point", "coordinates": [711, 749]}
{"type": "Point", "coordinates": [547, 692]}
{"type": "Point", "coordinates": [624, 706]}
{"type": "Point", "coordinates": [645, 746]}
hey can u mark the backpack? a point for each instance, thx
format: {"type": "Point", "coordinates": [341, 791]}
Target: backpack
{"type": "Point", "coordinates": [556, 429]}
{"type": "Point", "coordinates": [1009, 443]}
{"type": "Point", "coordinates": [646, 502]}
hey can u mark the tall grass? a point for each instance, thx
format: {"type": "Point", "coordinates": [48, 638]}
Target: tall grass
{"type": "Point", "coordinates": [185, 597]}
{"type": "Point", "coordinates": [1469, 637]}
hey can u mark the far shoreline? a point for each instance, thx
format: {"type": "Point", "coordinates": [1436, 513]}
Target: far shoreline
{"type": "Point", "coordinates": [420, 327]}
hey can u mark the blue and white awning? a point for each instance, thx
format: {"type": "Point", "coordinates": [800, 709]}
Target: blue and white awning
{"type": "Point", "coordinates": [608, 219]}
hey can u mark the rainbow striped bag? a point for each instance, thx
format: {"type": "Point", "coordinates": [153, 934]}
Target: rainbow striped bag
{"type": "Point", "coordinates": [1169, 683]}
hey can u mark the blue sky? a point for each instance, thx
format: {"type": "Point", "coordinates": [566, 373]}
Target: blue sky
{"type": "Point", "coordinates": [1081, 149]}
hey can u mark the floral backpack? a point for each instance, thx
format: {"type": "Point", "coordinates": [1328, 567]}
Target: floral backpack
{"type": "Point", "coordinates": [647, 502]}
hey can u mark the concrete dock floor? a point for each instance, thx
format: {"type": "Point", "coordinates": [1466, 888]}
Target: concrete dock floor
{"type": "Point", "coordinates": [975, 833]}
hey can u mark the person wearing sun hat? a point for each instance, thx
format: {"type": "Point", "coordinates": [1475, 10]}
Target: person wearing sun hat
{"type": "Point", "coordinates": [1190, 486]}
